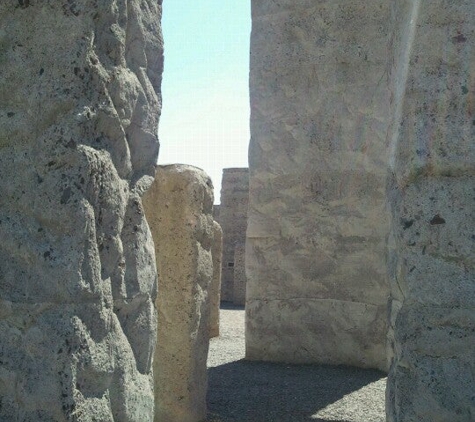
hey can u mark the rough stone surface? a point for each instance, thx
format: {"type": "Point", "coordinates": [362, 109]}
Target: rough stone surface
{"type": "Point", "coordinates": [431, 196]}
{"type": "Point", "coordinates": [215, 286]}
{"type": "Point", "coordinates": [233, 220]}
{"type": "Point", "coordinates": [317, 288]}
{"type": "Point", "coordinates": [178, 207]}
{"type": "Point", "coordinates": [79, 106]}
{"type": "Point", "coordinates": [239, 285]}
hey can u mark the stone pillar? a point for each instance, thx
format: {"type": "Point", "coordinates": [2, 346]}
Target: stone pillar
{"type": "Point", "coordinates": [178, 207]}
{"type": "Point", "coordinates": [215, 287]}
{"type": "Point", "coordinates": [78, 115]}
{"type": "Point", "coordinates": [216, 212]}
{"type": "Point", "coordinates": [239, 285]}
{"type": "Point", "coordinates": [431, 197]}
{"type": "Point", "coordinates": [233, 220]}
{"type": "Point", "coordinates": [317, 288]}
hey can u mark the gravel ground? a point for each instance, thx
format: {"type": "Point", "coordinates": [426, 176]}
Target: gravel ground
{"type": "Point", "coordinates": [244, 391]}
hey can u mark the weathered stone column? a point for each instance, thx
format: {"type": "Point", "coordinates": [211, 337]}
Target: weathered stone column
{"type": "Point", "coordinates": [215, 287]}
{"type": "Point", "coordinates": [317, 288]}
{"type": "Point", "coordinates": [431, 195]}
{"type": "Point", "coordinates": [78, 117]}
{"type": "Point", "coordinates": [178, 207]}
{"type": "Point", "coordinates": [233, 221]}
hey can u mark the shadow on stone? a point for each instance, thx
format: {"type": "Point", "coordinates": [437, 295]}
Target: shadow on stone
{"type": "Point", "coordinates": [246, 391]}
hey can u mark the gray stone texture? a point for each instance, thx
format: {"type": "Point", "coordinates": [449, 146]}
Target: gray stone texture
{"type": "Point", "coordinates": [317, 288]}
{"type": "Point", "coordinates": [178, 207]}
{"type": "Point", "coordinates": [431, 197]}
{"type": "Point", "coordinates": [79, 107]}
{"type": "Point", "coordinates": [215, 286]}
{"type": "Point", "coordinates": [233, 221]}
{"type": "Point", "coordinates": [239, 285]}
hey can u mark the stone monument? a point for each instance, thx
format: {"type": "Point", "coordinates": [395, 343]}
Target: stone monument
{"type": "Point", "coordinates": [431, 194]}
{"type": "Point", "coordinates": [215, 287]}
{"type": "Point", "coordinates": [317, 289]}
{"type": "Point", "coordinates": [178, 207]}
{"type": "Point", "coordinates": [233, 220]}
{"type": "Point", "coordinates": [239, 276]}
{"type": "Point", "coordinates": [79, 107]}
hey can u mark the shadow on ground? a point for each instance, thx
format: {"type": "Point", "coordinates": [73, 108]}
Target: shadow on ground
{"type": "Point", "coordinates": [245, 391]}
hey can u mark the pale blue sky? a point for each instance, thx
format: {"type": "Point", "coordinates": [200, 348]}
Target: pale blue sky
{"type": "Point", "coordinates": [205, 115]}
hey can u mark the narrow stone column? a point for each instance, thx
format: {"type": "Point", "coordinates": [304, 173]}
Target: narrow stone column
{"type": "Point", "coordinates": [432, 199]}
{"type": "Point", "coordinates": [78, 116]}
{"type": "Point", "coordinates": [239, 285]}
{"type": "Point", "coordinates": [317, 285]}
{"type": "Point", "coordinates": [233, 220]}
{"type": "Point", "coordinates": [178, 207]}
{"type": "Point", "coordinates": [215, 287]}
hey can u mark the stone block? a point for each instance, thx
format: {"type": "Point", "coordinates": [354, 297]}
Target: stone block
{"type": "Point", "coordinates": [239, 285]}
{"type": "Point", "coordinates": [216, 212]}
{"type": "Point", "coordinates": [178, 207]}
{"type": "Point", "coordinates": [318, 162]}
{"type": "Point", "coordinates": [215, 287]}
{"type": "Point", "coordinates": [233, 221]}
{"type": "Point", "coordinates": [431, 197]}
{"type": "Point", "coordinates": [356, 325]}
{"type": "Point", "coordinates": [79, 107]}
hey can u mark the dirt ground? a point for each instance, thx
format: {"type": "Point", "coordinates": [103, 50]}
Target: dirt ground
{"type": "Point", "coordinates": [242, 391]}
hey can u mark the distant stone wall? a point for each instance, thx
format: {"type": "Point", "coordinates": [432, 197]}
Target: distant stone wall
{"type": "Point", "coordinates": [79, 107]}
{"type": "Point", "coordinates": [233, 220]}
{"type": "Point", "coordinates": [432, 199]}
{"type": "Point", "coordinates": [317, 288]}
{"type": "Point", "coordinates": [178, 207]}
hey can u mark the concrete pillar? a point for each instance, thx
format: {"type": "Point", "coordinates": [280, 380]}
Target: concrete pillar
{"type": "Point", "coordinates": [239, 285]}
{"type": "Point", "coordinates": [215, 287]}
{"type": "Point", "coordinates": [79, 109]}
{"type": "Point", "coordinates": [431, 196]}
{"type": "Point", "coordinates": [317, 289]}
{"type": "Point", "coordinates": [178, 207]}
{"type": "Point", "coordinates": [233, 221]}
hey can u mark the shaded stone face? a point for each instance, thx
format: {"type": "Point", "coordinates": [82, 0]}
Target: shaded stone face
{"type": "Point", "coordinates": [431, 197]}
{"type": "Point", "coordinates": [317, 288]}
{"type": "Point", "coordinates": [179, 210]}
{"type": "Point", "coordinates": [233, 219]}
{"type": "Point", "coordinates": [79, 107]}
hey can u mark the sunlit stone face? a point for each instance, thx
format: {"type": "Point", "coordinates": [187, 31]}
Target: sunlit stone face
{"type": "Point", "coordinates": [317, 288]}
